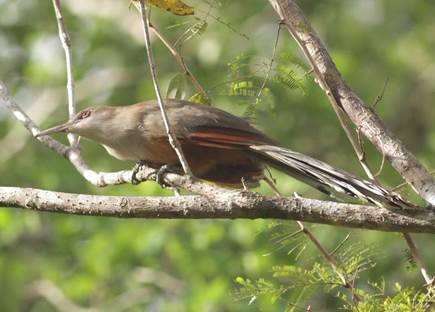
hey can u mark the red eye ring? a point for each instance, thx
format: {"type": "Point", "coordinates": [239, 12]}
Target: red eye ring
{"type": "Point", "coordinates": [84, 114]}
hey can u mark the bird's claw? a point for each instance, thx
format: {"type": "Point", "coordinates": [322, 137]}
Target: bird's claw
{"type": "Point", "coordinates": [139, 165]}
{"type": "Point", "coordinates": [159, 176]}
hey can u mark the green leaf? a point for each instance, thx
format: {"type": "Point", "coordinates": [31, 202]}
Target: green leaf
{"type": "Point", "coordinates": [200, 98]}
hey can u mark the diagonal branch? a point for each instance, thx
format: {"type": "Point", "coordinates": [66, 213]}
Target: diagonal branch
{"type": "Point", "coordinates": [340, 93]}
{"type": "Point", "coordinates": [344, 100]}
{"type": "Point", "coordinates": [171, 136]}
{"type": "Point", "coordinates": [180, 60]}
{"type": "Point", "coordinates": [430, 280]}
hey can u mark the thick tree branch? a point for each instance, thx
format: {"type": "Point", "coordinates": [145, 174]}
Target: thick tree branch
{"type": "Point", "coordinates": [230, 205]}
{"type": "Point", "coordinates": [342, 95]}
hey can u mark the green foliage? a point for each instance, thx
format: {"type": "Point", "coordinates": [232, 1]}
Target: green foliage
{"type": "Point", "coordinates": [193, 31]}
{"type": "Point", "coordinates": [200, 98]}
{"type": "Point", "coordinates": [190, 265]}
{"type": "Point", "coordinates": [249, 83]}
{"type": "Point", "coordinates": [296, 285]}
{"type": "Point", "coordinates": [402, 300]}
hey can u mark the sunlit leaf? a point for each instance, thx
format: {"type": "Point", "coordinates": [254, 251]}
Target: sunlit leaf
{"type": "Point", "coordinates": [200, 98]}
{"type": "Point", "coordinates": [176, 7]}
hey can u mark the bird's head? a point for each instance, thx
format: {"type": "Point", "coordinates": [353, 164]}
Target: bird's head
{"type": "Point", "coordinates": [85, 123]}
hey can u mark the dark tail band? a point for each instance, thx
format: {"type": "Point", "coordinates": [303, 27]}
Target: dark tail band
{"type": "Point", "coordinates": [326, 178]}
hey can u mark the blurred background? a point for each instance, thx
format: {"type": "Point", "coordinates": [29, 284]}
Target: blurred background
{"type": "Point", "coordinates": [54, 262]}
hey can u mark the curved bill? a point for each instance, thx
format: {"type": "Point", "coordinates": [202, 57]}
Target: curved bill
{"type": "Point", "coordinates": [60, 128]}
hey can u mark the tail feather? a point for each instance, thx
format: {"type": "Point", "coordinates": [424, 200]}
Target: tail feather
{"type": "Point", "coordinates": [327, 178]}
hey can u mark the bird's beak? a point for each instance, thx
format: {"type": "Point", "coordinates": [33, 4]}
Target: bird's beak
{"type": "Point", "coordinates": [60, 128]}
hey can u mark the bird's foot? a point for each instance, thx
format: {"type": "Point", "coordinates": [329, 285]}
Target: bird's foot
{"type": "Point", "coordinates": [159, 175]}
{"type": "Point", "coordinates": [138, 167]}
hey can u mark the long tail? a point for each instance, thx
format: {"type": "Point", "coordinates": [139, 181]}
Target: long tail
{"type": "Point", "coordinates": [326, 178]}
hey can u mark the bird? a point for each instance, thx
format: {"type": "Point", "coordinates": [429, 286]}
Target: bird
{"type": "Point", "coordinates": [219, 147]}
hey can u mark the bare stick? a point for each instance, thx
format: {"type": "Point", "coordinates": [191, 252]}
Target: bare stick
{"type": "Point", "coordinates": [171, 136]}
{"type": "Point", "coordinates": [381, 167]}
{"type": "Point", "coordinates": [419, 260]}
{"type": "Point", "coordinates": [66, 44]}
{"type": "Point", "coordinates": [342, 97]}
{"type": "Point", "coordinates": [380, 96]}
{"type": "Point", "coordinates": [180, 60]}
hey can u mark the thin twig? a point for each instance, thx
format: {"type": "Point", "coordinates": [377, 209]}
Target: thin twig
{"type": "Point", "coordinates": [272, 60]}
{"type": "Point", "coordinates": [331, 260]}
{"type": "Point", "coordinates": [340, 244]}
{"type": "Point", "coordinates": [377, 100]}
{"type": "Point", "coordinates": [66, 44]}
{"type": "Point", "coordinates": [397, 187]}
{"type": "Point", "coordinates": [328, 256]}
{"type": "Point", "coordinates": [381, 167]}
{"type": "Point", "coordinates": [380, 96]}
{"type": "Point", "coordinates": [361, 155]}
{"type": "Point", "coordinates": [419, 260]}
{"type": "Point", "coordinates": [171, 136]}
{"type": "Point", "coordinates": [180, 60]}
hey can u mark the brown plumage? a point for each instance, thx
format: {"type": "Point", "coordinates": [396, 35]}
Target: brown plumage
{"type": "Point", "coordinates": [218, 146]}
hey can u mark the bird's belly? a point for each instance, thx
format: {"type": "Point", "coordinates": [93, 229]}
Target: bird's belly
{"type": "Point", "coordinates": [120, 154]}
{"type": "Point", "coordinates": [156, 151]}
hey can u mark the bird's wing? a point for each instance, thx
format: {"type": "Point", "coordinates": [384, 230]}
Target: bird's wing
{"type": "Point", "coordinates": [227, 138]}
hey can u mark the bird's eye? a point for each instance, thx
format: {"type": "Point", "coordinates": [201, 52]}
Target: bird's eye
{"type": "Point", "coordinates": [84, 114]}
